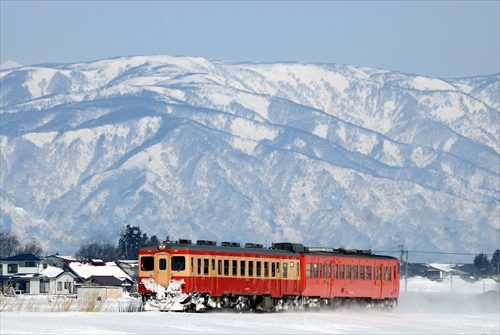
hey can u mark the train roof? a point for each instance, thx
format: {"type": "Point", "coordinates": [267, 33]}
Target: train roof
{"type": "Point", "coordinates": [282, 248]}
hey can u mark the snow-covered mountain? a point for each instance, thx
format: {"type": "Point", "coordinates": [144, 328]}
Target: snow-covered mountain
{"type": "Point", "coordinates": [320, 154]}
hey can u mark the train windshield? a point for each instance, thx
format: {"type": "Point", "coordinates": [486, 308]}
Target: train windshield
{"type": "Point", "coordinates": [178, 263]}
{"type": "Point", "coordinates": [147, 263]}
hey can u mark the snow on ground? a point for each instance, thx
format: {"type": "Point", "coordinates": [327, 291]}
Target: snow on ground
{"type": "Point", "coordinates": [426, 308]}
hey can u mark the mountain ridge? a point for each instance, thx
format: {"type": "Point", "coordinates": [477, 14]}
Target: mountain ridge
{"type": "Point", "coordinates": [280, 151]}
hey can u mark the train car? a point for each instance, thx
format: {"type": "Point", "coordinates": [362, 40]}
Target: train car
{"type": "Point", "coordinates": [183, 276]}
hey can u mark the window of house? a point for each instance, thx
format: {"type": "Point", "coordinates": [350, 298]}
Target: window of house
{"type": "Point", "coordinates": [285, 270]}
{"type": "Point", "coordinates": [45, 285]}
{"type": "Point", "coordinates": [147, 263]}
{"type": "Point", "coordinates": [12, 268]}
{"type": "Point", "coordinates": [368, 272]}
{"type": "Point", "coordinates": [27, 287]}
{"type": "Point", "coordinates": [163, 264]}
{"type": "Point", "coordinates": [206, 264]}
{"type": "Point", "coordinates": [226, 267]}
{"type": "Point", "coordinates": [29, 264]}
{"type": "Point", "coordinates": [258, 269]}
{"type": "Point", "coordinates": [235, 268]}
{"type": "Point", "coordinates": [178, 263]}
{"type": "Point", "coordinates": [59, 286]}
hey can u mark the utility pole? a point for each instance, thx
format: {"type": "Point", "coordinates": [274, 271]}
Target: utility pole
{"type": "Point", "coordinates": [406, 274]}
{"type": "Point", "coordinates": [401, 257]}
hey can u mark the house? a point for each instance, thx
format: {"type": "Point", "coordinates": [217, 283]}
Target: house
{"type": "Point", "coordinates": [130, 267]}
{"type": "Point", "coordinates": [96, 272]}
{"type": "Point", "coordinates": [29, 274]}
{"type": "Point", "coordinates": [57, 281]}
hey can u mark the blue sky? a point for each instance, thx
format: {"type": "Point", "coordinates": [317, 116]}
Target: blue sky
{"type": "Point", "coordinates": [430, 38]}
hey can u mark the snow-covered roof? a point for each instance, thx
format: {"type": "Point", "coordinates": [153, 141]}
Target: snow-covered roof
{"type": "Point", "coordinates": [86, 270]}
{"type": "Point", "coordinates": [442, 267]}
{"type": "Point", "coordinates": [51, 272]}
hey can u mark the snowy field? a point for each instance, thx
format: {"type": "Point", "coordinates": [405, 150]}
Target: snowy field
{"type": "Point", "coordinates": [427, 307]}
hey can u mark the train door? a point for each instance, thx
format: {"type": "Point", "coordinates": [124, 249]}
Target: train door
{"type": "Point", "coordinates": [395, 280]}
{"type": "Point", "coordinates": [378, 279]}
{"type": "Point", "coordinates": [276, 278]}
{"type": "Point", "coordinates": [284, 277]}
{"type": "Point", "coordinates": [162, 269]}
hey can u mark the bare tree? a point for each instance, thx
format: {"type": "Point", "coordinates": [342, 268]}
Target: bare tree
{"type": "Point", "coordinates": [104, 250]}
{"type": "Point", "coordinates": [32, 247]}
{"type": "Point", "coordinates": [9, 245]}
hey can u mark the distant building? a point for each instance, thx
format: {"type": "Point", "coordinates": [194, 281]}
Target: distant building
{"type": "Point", "coordinates": [437, 271]}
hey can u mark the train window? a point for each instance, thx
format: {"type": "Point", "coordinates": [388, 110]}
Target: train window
{"type": "Point", "coordinates": [235, 268]}
{"type": "Point", "coordinates": [285, 270]}
{"type": "Point", "coordinates": [396, 270]}
{"type": "Point", "coordinates": [341, 271]}
{"type": "Point", "coordinates": [278, 267]}
{"type": "Point", "coordinates": [361, 272]}
{"type": "Point", "coordinates": [266, 269]}
{"type": "Point", "coordinates": [219, 263]}
{"type": "Point", "coordinates": [163, 264]}
{"type": "Point", "coordinates": [315, 270]}
{"type": "Point", "coordinates": [250, 268]}
{"type": "Point", "coordinates": [213, 264]}
{"type": "Point", "coordinates": [178, 263]}
{"type": "Point", "coordinates": [334, 271]}
{"type": "Point", "coordinates": [206, 263]}
{"type": "Point", "coordinates": [387, 273]}
{"type": "Point", "coordinates": [199, 265]}
{"type": "Point", "coordinates": [226, 267]}
{"type": "Point", "coordinates": [377, 270]}
{"type": "Point", "coordinates": [192, 268]}
{"type": "Point", "coordinates": [147, 263]}
{"type": "Point", "coordinates": [355, 272]}
{"type": "Point", "coordinates": [328, 271]}
{"type": "Point", "coordinates": [242, 268]}
{"type": "Point", "coordinates": [368, 272]}
{"type": "Point", "coordinates": [347, 272]}
{"type": "Point", "coordinates": [308, 270]}
{"type": "Point", "coordinates": [273, 269]}
{"type": "Point", "coordinates": [257, 269]}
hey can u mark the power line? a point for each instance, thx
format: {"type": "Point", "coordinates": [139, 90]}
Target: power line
{"type": "Point", "coordinates": [435, 252]}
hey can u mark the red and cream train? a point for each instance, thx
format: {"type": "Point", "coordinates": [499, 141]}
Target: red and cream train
{"type": "Point", "coordinates": [184, 276]}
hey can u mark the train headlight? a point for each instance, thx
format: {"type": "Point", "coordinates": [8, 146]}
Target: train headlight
{"type": "Point", "coordinates": [162, 246]}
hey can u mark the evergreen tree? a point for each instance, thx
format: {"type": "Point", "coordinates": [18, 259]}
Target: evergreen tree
{"type": "Point", "coordinates": [495, 261]}
{"type": "Point", "coordinates": [130, 241]}
{"type": "Point", "coordinates": [483, 264]}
